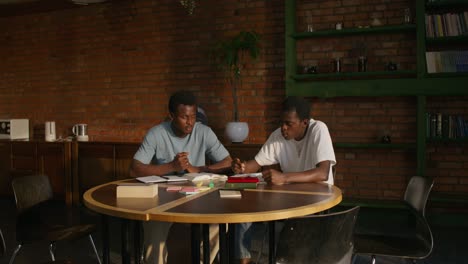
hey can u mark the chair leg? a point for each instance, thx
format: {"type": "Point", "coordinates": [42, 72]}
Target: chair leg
{"type": "Point", "coordinates": [17, 249]}
{"type": "Point", "coordinates": [52, 251]}
{"type": "Point", "coordinates": [94, 248]}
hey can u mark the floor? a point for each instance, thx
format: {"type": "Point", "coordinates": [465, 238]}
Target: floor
{"type": "Point", "coordinates": [450, 246]}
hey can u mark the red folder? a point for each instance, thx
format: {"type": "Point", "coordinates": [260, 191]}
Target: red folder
{"type": "Point", "coordinates": [242, 179]}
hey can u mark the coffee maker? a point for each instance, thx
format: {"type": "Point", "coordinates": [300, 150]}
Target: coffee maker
{"type": "Point", "coordinates": [81, 132]}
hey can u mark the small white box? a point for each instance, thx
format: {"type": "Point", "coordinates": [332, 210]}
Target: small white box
{"type": "Point", "coordinates": [14, 128]}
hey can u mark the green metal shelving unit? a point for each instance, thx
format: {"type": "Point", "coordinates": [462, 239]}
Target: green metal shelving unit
{"type": "Point", "coordinates": [400, 83]}
{"type": "Point", "coordinates": [355, 31]}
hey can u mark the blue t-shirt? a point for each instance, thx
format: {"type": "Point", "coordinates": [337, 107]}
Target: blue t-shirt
{"type": "Point", "coordinates": [161, 145]}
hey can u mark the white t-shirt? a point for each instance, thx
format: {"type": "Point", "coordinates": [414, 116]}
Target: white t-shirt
{"type": "Point", "coordinates": [298, 156]}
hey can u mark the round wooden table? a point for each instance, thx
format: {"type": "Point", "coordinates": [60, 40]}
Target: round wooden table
{"type": "Point", "coordinates": [266, 203]}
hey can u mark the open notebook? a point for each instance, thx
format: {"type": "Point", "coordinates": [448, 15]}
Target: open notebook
{"type": "Point", "coordinates": [203, 176]}
{"type": "Point", "coordinates": [167, 178]}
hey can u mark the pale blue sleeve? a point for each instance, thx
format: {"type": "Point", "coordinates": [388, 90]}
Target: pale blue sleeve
{"type": "Point", "coordinates": [147, 148]}
{"type": "Point", "coordinates": [214, 149]}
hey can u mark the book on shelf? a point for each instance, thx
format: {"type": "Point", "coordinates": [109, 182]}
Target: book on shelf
{"type": "Point", "coordinates": [136, 190]}
{"type": "Point", "coordinates": [230, 194]}
{"type": "Point", "coordinates": [447, 61]}
{"type": "Point", "coordinates": [448, 24]}
{"type": "Point", "coordinates": [446, 126]}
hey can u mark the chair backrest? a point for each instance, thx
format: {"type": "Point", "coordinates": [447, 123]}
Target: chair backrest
{"type": "Point", "coordinates": [323, 238]}
{"type": "Point", "coordinates": [417, 193]}
{"type": "Point", "coordinates": [31, 190]}
{"type": "Point", "coordinates": [2, 244]}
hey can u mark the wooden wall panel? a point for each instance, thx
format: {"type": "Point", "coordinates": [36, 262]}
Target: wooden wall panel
{"type": "Point", "coordinates": [5, 176]}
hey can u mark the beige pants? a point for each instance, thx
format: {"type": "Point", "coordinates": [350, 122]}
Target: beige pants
{"type": "Point", "coordinates": [163, 238]}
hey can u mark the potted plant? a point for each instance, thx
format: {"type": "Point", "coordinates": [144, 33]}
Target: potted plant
{"type": "Point", "coordinates": [230, 56]}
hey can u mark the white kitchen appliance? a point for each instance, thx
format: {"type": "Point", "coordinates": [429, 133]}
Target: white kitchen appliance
{"type": "Point", "coordinates": [81, 132]}
{"type": "Point", "coordinates": [14, 128]}
{"type": "Point", "coordinates": [50, 131]}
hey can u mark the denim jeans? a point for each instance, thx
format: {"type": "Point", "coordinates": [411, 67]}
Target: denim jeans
{"type": "Point", "coordinates": [245, 233]}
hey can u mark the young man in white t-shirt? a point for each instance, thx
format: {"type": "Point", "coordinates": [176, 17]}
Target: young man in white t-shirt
{"type": "Point", "coordinates": [301, 146]}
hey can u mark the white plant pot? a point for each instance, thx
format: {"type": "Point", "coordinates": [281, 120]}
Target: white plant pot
{"type": "Point", "coordinates": [237, 132]}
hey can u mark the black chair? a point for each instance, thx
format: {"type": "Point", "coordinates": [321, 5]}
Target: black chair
{"type": "Point", "coordinates": [323, 238]}
{"type": "Point", "coordinates": [41, 218]}
{"type": "Point", "coordinates": [2, 245]}
{"type": "Point", "coordinates": [402, 233]}
{"type": "Point", "coordinates": [3, 252]}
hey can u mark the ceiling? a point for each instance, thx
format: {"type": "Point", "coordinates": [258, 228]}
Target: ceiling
{"type": "Point", "coordinates": [15, 2]}
{"type": "Point", "coordinates": [23, 7]}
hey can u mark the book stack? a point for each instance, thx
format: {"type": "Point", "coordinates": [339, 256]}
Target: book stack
{"type": "Point", "coordinates": [446, 25]}
{"type": "Point", "coordinates": [446, 126]}
{"type": "Point", "coordinates": [136, 190]}
{"type": "Point", "coordinates": [230, 194]}
{"type": "Point", "coordinates": [241, 183]}
{"type": "Point", "coordinates": [447, 61]}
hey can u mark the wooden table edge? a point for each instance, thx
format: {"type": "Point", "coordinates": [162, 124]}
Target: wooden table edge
{"type": "Point", "coordinates": [334, 199]}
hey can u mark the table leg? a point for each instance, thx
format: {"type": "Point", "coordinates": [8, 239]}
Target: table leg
{"type": "Point", "coordinates": [105, 239]}
{"type": "Point", "coordinates": [125, 249]}
{"type": "Point", "coordinates": [231, 238]}
{"type": "Point", "coordinates": [223, 249]}
{"type": "Point", "coordinates": [206, 243]}
{"type": "Point", "coordinates": [195, 240]}
{"type": "Point", "coordinates": [137, 242]}
{"type": "Point", "coordinates": [271, 239]}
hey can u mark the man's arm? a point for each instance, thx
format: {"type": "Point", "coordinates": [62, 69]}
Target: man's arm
{"type": "Point", "coordinates": [249, 166]}
{"type": "Point", "coordinates": [318, 174]}
{"type": "Point", "coordinates": [218, 167]}
{"type": "Point", "coordinates": [180, 163]}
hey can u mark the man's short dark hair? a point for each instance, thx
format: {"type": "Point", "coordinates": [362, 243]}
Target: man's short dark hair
{"type": "Point", "coordinates": [181, 98]}
{"type": "Point", "coordinates": [298, 104]}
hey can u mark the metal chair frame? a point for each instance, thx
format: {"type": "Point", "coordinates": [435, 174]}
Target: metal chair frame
{"type": "Point", "coordinates": [411, 239]}
{"type": "Point", "coordinates": [321, 238]}
{"type": "Point", "coordinates": [38, 186]}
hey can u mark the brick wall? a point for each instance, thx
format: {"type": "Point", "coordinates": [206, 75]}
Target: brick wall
{"type": "Point", "coordinates": [114, 65]}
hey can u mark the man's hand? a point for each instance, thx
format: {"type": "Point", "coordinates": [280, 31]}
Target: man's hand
{"type": "Point", "coordinates": [274, 176]}
{"type": "Point", "coordinates": [237, 166]}
{"type": "Point", "coordinates": [181, 161]}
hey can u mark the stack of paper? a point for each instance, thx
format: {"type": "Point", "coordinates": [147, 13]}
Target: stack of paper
{"type": "Point", "coordinates": [230, 194]}
{"type": "Point", "coordinates": [193, 190]}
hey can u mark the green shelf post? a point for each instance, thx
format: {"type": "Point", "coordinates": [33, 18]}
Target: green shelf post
{"type": "Point", "coordinates": [421, 136]}
{"type": "Point", "coordinates": [290, 45]}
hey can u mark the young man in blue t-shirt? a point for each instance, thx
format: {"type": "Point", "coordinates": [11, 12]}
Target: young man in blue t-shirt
{"type": "Point", "coordinates": [177, 146]}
